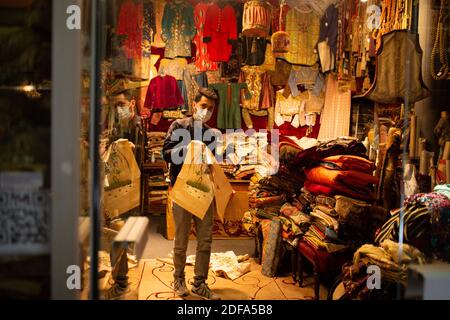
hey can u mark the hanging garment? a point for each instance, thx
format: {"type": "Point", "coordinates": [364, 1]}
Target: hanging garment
{"type": "Point", "coordinates": [327, 46]}
{"type": "Point", "coordinates": [315, 104]}
{"type": "Point", "coordinates": [290, 109]}
{"type": "Point", "coordinates": [178, 29]}
{"type": "Point", "coordinates": [257, 18]}
{"type": "Point", "coordinates": [253, 76]}
{"type": "Point", "coordinates": [130, 23]}
{"type": "Point", "coordinates": [149, 28]}
{"type": "Point", "coordinates": [398, 76]}
{"type": "Point", "coordinates": [173, 67]}
{"type": "Point", "coordinates": [329, 28]}
{"type": "Point", "coordinates": [279, 14]}
{"type": "Point", "coordinates": [335, 119]}
{"type": "Point", "coordinates": [163, 93]}
{"type": "Point", "coordinates": [202, 59]}
{"type": "Point", "coordinates": [254, 50]}
{"type": "Point", "coordinates": [305, 76]}
{"type": "Point", "coordinates": [231, 69]}
{"type": "Point", "coordinates": [192, 81]}
{"type": "Point", "coordinates": [229, 113]}
{"type": "Point", "coordinates": [303, 29]}
{"type": "Point", "coordinates": [269, 59]}
{"type": "Point", "coordinates": [158, 6]}
{"type": "Point", "coordinates": [220, 29]}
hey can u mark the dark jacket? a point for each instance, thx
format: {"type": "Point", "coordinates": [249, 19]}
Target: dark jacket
{"type": "Point", "coordinates": [177, 144]}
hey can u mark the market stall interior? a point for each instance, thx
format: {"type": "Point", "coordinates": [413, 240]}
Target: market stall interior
{"type": "Point", "coordinates": [333, 119]}
{"type": "Point", "coordinates": [320, 111]}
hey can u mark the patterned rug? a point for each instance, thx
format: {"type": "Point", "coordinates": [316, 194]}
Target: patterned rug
{"type": "Point", "coordinates": [156, 284]}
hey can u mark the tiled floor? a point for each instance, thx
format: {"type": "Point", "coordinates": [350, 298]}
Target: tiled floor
{"type": "Point", "coordinates": [159, 247]}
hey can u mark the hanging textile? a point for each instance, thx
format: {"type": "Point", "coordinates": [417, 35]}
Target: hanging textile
{"type": "Point", "coordinates": [192, 81]}
{"type": "Point", "coordinates": [158, 6]}
{"type": "Point", "coordinates": [130, 22]}
{"type": "Point", "coordinates": [257, 18]}
{"type": "Point", "coordinates": [335, 119]}
{"type": "Point", "coordinates": [220, 29]}
{"type": "Point", "coordinates": [290, 109]}
{"type": "Point", "coordinates": [163, 93]}
{"type": "Point", "coordinates": [303, 29]}
{"type": "Point", "coordinates": [229, 112]}
{"type": "Point", "coordinates": [202, 59]}
{"type": "Point", "coordinates": [253, 76]}
{"type": "Point", "coordinates": [398, 76]}
{"type": "Point", "coordinates": [173, 67]}
{"type": "Point", "coordinates": [178, 28]}
{"type": "Point", "coordinates": [328, 35]}
{"type": "Point", "coordinates": [149, 28]}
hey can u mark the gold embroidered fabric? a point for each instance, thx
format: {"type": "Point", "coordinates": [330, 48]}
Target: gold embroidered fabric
{"type": "Point", "coordinates": [173, 67]}
{"type": "Point", "coordinates": [252, 75]}
{"type": "Point", "coordinates": [303, 30]}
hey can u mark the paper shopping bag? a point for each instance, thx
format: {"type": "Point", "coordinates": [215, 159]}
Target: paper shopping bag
{"type": "Point", "coordinates": [193, 189]}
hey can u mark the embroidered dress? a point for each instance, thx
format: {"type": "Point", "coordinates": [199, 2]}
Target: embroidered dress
{"type": "Point", "coordinates": [178, 29]}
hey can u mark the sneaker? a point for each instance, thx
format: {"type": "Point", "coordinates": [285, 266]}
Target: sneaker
{"type": "Point", "coordinates": [179, 285]}
{"type": "Point", "coordinates": [205, 292]}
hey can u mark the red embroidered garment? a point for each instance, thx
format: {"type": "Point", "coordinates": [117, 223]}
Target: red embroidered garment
{"type": "Point", "coordinates": [202, 60]}
{"type": "Point", "coordinates": [163, 93]}
{"type": "Point", "coordinates": [220, 26]}
{"type": "Point", "coordinates": [130, 24]}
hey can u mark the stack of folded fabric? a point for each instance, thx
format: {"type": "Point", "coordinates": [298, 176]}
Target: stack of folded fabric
{"type": "Point", "coordinates": [229, 169]}
{"type": "Point", "coordinates": [342, 146]}
{"type": "Point", "coordinates": [155, 143]}
{"type": "Point", "coordinates": [344, 175]}
{"type": "Point", "coordinates": [245, 172]}
{"type": "Point", "coordinates": [158, 197]}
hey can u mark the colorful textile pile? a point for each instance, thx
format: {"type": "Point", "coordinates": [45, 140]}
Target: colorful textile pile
{"type": "Point", "coordinates": [393, 268]}
{"type": "Point", "coordinates": [349, 175]}
{"type": "Point", "coordinates": [426, 225]}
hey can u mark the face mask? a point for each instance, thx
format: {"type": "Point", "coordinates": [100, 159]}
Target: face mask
{"type": "Point", "coordinates": [203, 115]}
{"type": "Point", "coordinates": [123, 113]}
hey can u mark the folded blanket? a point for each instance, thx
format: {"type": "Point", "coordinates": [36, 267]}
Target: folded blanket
{"type": "Point", "coordinates": [348, 163]}
{"type": "Point", "coordinates": [351, 179]}
{"type": "Point", "coordinates": [318, 189]}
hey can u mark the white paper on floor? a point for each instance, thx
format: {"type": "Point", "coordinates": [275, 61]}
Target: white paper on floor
{"type": "Point", "coordinates": [226, 265]}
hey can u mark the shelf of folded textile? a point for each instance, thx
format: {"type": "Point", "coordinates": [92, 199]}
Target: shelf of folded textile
{"type": "Point", "coordinates": [155, 187]}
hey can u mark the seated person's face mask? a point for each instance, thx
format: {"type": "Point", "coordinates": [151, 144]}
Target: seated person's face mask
{"type": "Point", "coordinates": [203, 115]}
{"type": "Point", "coordinates": [124, 113]}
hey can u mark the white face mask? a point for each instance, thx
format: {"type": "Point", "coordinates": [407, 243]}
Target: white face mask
{"type": "Point", "coordinates": [203, 115]}
{"type": "Point", "coordinates": [123, 113]}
